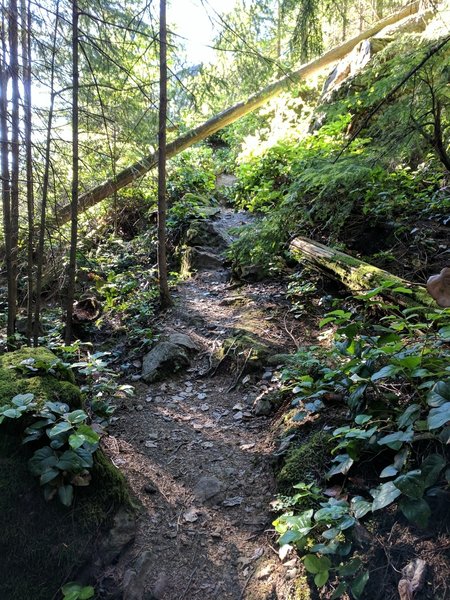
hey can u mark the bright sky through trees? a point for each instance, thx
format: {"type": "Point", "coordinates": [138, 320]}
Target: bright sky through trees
{"type": "Point", "coordinates": [197, 21]}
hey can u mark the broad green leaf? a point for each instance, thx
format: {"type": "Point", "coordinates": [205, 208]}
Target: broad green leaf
{"type": "Point", "coordinates": [85, 456]}
{"type": "Point", "coordinates": [92, 437]}
{"type": "Point", "coordinates": [360, 507]}
{"type": "Point", "coordinates": [316, 564]}
{"type": "Point", "coordinates": [331, 513]}
{"type": "Point", "coordinates": [41, 460]}
{"type": "Point", "coordinates": [339, 591]}
{"type": "Point", "coordinates": [416, 510]}
{"type": "Point", "coordinates": [389, 471]}
{"type": "Point", "coordinates": [321, 578]}
{"type": "Point", "coordinates": [387, 371]}
{"type": "Point", "coordinates": [359, 584]}
{"type": "Point", "coordinates": [87, 592]}
{"type": "Point", "coordinates": [356, 395]}
{"type": "Point", "coordinates": [65, 494]}
{"type": "Point", "coordinates": [12, 413]}
{"type": "Point", "coordinates": [408, 362]}
{"type": "Point", "coordinates": [290, 537]}
{"type": "Point", "coordinates": [395, 440]}
{"type": "Point", "coordinates": [70, 461]}
{"type": "Point", "coordinates": [76, 416]}
{"type": "Point", "coordinates": [362, 419]}
{"type": "Point", "coordinates": [346, 522]}
{"type": "Point", "coordinates": [330, 534]}
{"type": "Point", "coordinates": [438, 417]}
{"type": "Point", "coordinates": [439, 394]}
{"type": "Point", "coordinates": [350, 568]}
{"type": "Point", "coordinates": [384, 495]}
{"type": "Point", "coordinates": [324, 321]}
{"type": "Point", "coordinates": [58, 407]}
{"type": "Point", "coordinates": [431, 467]}
{"type": "Point", "coordinates": [48, 475]}
{"type": "Point", "coordinates": [32, 437]}
{"type": "Point", "coordinates": [343, 464]}
{"type": "Point", "coordinates": [76, 440]}
{"type": "Point", "coordinates": [72, 596]}
{"type": "Point", "coordinates": [58, 429]}
{"type": "Point", "coordinates": [23, 399]}
{"type": "Point", "coordinates": [444, 435]}
{"type": "Point", "coordinates": [409, 416]}
{"type": "Point", "coordinates": [72, 586]}
{"type": "Point", "coordinates": [444, 332]}
{"type": "Point", "coordinates": [411, 484]}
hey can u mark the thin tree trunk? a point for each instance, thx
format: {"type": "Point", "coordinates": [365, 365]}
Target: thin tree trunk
{"type": "Point", "coordinates": [164, 293]}
{"type": "Point", "coordinates": [15, 97]}
{"type": "Point", "coordinates": [26, 58]}
{"type": "Point", "coordinates": [75, 162]}
{"type": "Point", "coordinates": [45, 184]}
{"type": "Point", "coordinates": [218, 122]}
{"type": "Point", "coordinates": [4, 165]}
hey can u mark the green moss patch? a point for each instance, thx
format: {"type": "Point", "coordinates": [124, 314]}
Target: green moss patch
{"type": "Point", "coordinates": [43, 543]}
{"type": "Point", "coordinates": [44, 386]}
{"type": "Point", "coordinates": [306, 463]}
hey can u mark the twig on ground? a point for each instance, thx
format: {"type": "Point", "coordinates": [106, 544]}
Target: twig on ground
{"type": "Point", "coordinates": [246, 584]}
{"type": "Point", "coordinates": [172, 458]}
{"type": "Point", "coordinates": [296, 342]}
{"type": "Point", "coordinates": [222, 359]}
{"type": "Point", "coordinates": [239, 375]}
{"type": "Point", "coordinates": [189, 583]}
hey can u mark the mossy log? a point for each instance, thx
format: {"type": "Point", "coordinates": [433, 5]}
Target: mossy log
{"type": "Point", "coordinates": [230, 115]}
{"type": "Point", "coordinates": [358, 275]}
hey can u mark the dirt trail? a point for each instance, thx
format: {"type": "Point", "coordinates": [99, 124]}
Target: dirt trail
{"type": "Point", "coordinates": [197, 458]}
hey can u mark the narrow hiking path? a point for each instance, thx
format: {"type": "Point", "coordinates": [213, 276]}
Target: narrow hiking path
{"type": "Point", "coordinates": [196, 455]}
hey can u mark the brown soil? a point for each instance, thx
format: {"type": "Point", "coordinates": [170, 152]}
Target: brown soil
{"type": "Point", "coordinates": [199, 425]}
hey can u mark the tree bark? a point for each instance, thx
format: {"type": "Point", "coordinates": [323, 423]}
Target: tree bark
{"type": "Point", "coordinates": [357, 275]}
{"type": "Point", "coordinates": [164, 293]}
{"type": "Point", "coordinates": [45, 185]}
{"type": "Point", "coordinates": [71, 273]}
{"type": "Point", "coordinates": [26, 69]}
{"type": "Point", "coordinates": [228, 116]}
{"type": "Point", "coordinates": [4, 165]}
{"type": "Point", "coordinates": [14, 154]}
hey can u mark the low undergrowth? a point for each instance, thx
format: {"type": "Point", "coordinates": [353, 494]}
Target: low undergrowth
{"type": "Point", "coordinates": [388, 379]}
{"type": "Point", "coordinates": [371, 169]}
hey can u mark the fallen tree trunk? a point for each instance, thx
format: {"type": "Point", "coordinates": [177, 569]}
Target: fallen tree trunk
{"type": "Point", "coordinates": [357, 275]}
{"type": "Point", "coordinates": [228, 116]}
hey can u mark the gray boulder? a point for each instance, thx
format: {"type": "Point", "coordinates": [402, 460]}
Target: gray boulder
{"type": "Point", "coordinates": [168, 356]}
{"type": "Point", "coordinates": [164, 358]}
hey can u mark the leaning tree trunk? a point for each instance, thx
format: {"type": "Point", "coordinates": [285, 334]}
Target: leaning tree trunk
{"type": "Point", "coordinates": [357, 275]}
{"type": "Point", "coordinates": [228, 116]}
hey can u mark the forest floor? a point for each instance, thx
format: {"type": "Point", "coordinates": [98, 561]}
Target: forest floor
{"type": "Point", "coordinates": [196, 456]}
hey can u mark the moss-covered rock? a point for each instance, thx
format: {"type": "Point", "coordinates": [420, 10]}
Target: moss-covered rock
{"type": "Point", "coordinates": [244, 341]}
{"type": "Point", "coordinates": [15, 379]}
{"type": "Point", "coordinates": [307, 462]}
{"type": "Point", "coordinates": [43, 543]}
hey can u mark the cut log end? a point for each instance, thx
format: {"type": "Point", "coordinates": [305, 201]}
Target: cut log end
{"type": "Point", "coordinates": [87, 310]}
{"type": "Point", "coordinates": [438, 287]}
